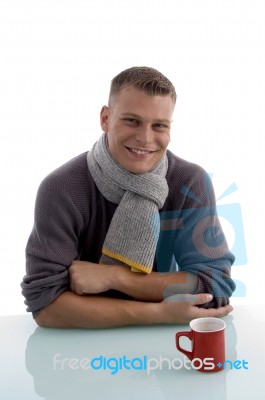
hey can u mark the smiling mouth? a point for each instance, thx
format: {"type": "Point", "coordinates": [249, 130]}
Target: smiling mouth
{"type": "Point", "coordinates": [139, 151]}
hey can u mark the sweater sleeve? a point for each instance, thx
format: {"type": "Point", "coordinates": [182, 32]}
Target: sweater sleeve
{"type": "Point", "coordinates": [200, 245]}
{"type": "Point", "coordinates": [53, 243]}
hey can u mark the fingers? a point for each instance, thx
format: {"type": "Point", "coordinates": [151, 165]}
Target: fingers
{"type": "Point", "coordinates": [202, 298]}
{"type": "Point", "coordinates": [222, 311]}
{"type": "Point", "coordinates": [211, 312]}
{"type": "Point", "coordinates": [193, 299]}
{"type": "Point", "coordinates": [214, 312]}
{"type": "Point", "coordinates": [180, 298]}
{"type": "Point", "coordinates": [191, 311]}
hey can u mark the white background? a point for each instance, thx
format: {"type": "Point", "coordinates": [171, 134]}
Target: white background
{"type": "Point", "coordinates": [56, 62]}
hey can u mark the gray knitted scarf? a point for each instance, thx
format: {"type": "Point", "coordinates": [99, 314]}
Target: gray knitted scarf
{"type": "Point", "coordinates": [134, 229]}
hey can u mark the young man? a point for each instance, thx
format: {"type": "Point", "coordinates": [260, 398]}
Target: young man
{"type": "Point", "coordinates": [128, 233]}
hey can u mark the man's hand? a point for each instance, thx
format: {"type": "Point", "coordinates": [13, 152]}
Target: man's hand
{"type": "Point", "coordinates": [72, 311]}
{"type": "Point", "coordinates": [182, 308]}
{"type": "Point", "coordinates": [89, 278]}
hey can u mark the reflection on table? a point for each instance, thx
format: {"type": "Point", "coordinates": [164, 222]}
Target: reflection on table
{"type": "Point", "coordinates": [56, 364]}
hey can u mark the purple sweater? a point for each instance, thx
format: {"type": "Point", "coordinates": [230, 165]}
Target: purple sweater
{"type": "Point", "coordinates": [72, 219]}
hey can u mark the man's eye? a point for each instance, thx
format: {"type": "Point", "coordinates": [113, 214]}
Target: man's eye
{"type": "Point", "coordinates": [161, 126]}
{"type": "Point", "coordinates": [131, 121]}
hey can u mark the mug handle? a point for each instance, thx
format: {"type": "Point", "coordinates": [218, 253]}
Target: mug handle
{"type": "Point", "coordinates": [189, 354]}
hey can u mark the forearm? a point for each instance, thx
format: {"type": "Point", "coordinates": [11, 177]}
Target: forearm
{"type": "Point", "coordinates": [70, 310]}
{"type": "Point", "coordinates": [90, 278]}
{"type": "Point", "coordinates": [154, 286]}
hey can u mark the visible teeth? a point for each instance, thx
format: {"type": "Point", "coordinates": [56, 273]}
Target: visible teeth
{"type": "Point", "coordinates": [139, 151]}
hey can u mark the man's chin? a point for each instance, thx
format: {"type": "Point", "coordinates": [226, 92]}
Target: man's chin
{"type": "Point", "coordinates": [140, 169]}
{"type": "Point", "coordinates": [139, 166]}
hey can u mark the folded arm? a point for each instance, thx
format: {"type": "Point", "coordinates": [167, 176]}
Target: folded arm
{"type": "Point", "coordinates": [90, 278]}
{"type": "Point", "coordinates": [52, 247]}
{"type": "Point", "coordinates": [70, 310]}
{"type": "Point", "coordinates": [90, 309]}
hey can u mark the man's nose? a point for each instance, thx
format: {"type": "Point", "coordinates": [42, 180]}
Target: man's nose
{"type": "Point", "coordinates": [144, 134]}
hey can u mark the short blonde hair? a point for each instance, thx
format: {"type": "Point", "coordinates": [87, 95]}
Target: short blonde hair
{"type": "Point", "coordinates": [147, 79]}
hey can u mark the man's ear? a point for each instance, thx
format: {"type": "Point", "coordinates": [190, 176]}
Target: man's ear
{"type": "Point", "coordinates": [104, 119]}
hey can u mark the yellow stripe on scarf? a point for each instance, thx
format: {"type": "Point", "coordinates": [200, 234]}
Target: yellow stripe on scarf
{"type": "Point", "coordinates": [135, 267]}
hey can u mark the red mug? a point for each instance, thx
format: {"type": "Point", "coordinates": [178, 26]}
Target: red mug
{"type": "Point", "coordinates": [207, 336]}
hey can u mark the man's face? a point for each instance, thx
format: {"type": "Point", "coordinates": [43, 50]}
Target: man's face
{"type": "Point", "coordinates": [138, 128]}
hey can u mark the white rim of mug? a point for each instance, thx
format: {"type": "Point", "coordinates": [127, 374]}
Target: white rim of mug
{"type": "Point", "coordinates": [207, 319]}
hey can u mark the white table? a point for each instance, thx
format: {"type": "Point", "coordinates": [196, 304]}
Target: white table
{"type": "Point", "coordinates": [27, 368]}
